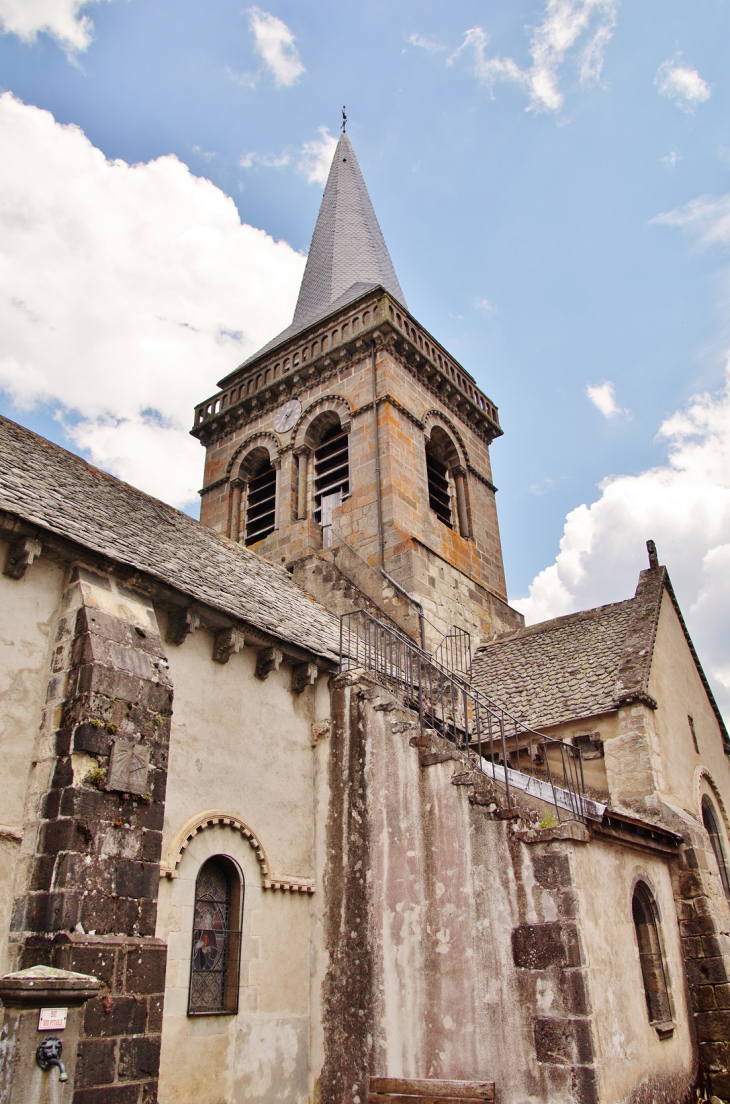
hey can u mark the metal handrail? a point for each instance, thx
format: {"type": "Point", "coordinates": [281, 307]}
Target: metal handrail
{"type": "Point", "coordinates": [513, 755]}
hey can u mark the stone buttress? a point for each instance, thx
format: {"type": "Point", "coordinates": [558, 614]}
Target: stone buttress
{"type": "Point", "coordinates": [90, 868]}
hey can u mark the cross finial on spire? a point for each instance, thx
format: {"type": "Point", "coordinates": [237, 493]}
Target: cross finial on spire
{"type": "Point", "coordinates": [343, 128]}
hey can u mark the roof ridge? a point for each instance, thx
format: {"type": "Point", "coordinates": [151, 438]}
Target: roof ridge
{"type": "Point", "coordinates": [554, 622]}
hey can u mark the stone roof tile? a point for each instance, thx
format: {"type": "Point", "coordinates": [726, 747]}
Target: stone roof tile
{"type": "Point", "coordinates": [347, 256]}
{"type": "Point", "coordinates": [559, 669]}
{"type": "Point", "coordinates": [59, 492]}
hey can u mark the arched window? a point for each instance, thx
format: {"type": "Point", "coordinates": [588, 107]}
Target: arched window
{"type": "Point", "coordinates": [216, 949]}
{"type": "Point", "coordinates": [650, 956]}
{"type": "Point", "coordinates": [709, 819]}
{"type": "Point", "coordinates": [260, 499]}
{"type": "Point", "coordinates": [447, 478]}
{"type": "Point", "coordinates": [331, 477]}
{"type": "Point", "coordinates": [439, 496]}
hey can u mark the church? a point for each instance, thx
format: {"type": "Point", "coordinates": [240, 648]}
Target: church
{"type": "Point", "coordinates": [296, 808]}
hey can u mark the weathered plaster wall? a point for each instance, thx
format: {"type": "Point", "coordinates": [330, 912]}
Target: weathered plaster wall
{"type": "Point", "coordinates": [453, 946]}
{"type": "Point", "coordinates": [634, 1064]}
{"type": "Point", "coordinates": [242, 746]}
{"type": "Point", "coordinates": [260, 1054]}
{"type": "Point", "coordinates": [27, 608]}
{"type": "Point", "coordinates": [677, 687]}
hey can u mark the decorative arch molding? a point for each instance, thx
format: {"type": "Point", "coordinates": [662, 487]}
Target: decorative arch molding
{"type": "Point", "coordinates": [641, 876]}
{"type": "Point", "coordinates": [211, 819]}
{"type": "Point", "coordinates": [703, 773]}
{"type": "Point", "coordinates": [262, 439]}
{"type": "Point", "coordinates": [436, 418]}
{"type": "Point", "coordinates": [336, 404]}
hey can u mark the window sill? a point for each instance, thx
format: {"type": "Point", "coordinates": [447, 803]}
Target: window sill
{"type": "Point", "coordinates": [664, 1030]}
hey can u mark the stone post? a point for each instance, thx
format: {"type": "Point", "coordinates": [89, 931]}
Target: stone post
{"type": "Point", "coordinates": [29, 997]}
{"type": "Point", "coordinates": [234, 524]}
{"type": "Point", "coordinates": [461, 507]}
{"type": "Point", "coordinates": [302, 455]}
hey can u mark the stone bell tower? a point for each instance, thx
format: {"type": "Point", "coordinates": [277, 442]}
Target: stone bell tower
{"type": "Point", "coordinates": [354, 449]}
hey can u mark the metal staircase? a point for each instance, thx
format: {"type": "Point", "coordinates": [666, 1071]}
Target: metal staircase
{"type": "Point", "coordinates": [438, 687]}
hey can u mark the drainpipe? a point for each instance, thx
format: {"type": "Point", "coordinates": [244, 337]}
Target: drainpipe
{"type": "Point", "coordinates": [379, 505]}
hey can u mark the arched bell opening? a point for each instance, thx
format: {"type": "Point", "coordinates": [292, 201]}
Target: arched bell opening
{"type": "Point", "coordinates": [326, 445]}
{"type": "Point", "coordinates": [446, 480]}
{"type": "Point", "coordinates": [259, 478]}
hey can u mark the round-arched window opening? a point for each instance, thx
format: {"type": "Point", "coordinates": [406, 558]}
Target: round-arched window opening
{"type": "Point", "coordinates": [653, 972]}
{"type": "Point", "coordinates": [331, 476]}
{"type": "Point", "coordinates": [260, 498]}
{"type": "Point", "coordinates": [216, 945]}
{"type": "Point", "coordinates": [709, 819]}
{"type": "Point", "coordinates": [441, 457]}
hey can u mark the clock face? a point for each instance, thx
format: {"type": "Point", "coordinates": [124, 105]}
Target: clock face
{"type": "Point", "coordinates": [287, 415]}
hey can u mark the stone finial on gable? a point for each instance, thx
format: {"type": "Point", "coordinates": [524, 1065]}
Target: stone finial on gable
{"type": "Point", "coordinates": [653, 557]}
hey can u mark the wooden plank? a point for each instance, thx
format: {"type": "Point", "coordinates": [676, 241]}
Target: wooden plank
{"type": "Point", "coordinates": [399, 1098]}
{"type": "Point", "coordinates": [454, 1090]}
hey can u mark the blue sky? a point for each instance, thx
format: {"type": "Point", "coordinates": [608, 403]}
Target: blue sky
{"type": "Point", "coordinates": [552, 183]}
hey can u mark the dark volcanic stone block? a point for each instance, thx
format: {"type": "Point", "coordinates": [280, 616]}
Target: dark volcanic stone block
{"type": "Point", "coordinates": [96, 1062]}
{"type": "Point", "coordinates": [146, 969]}
{"type": "Point", "coordinates": [538, 946]}
{"type": "Point", "coordinates": [139, 1059]}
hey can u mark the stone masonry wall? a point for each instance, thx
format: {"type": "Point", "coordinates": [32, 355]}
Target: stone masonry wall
{"type": "Point", "coordinates": [90, 871]}
{"type": "Point", "coordinates": [419, 547]}
{"type": "Point", "coordinates": [703, 926]}
{"type": "Point", "coordinates": [549, 957]}
{"type": "Point", "coordinates": [452, 940]}
{"type": "Point", "coordinates": [455, 941]}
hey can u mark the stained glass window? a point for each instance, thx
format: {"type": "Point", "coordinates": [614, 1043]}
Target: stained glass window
{"type": "Point", "coordinates": [216, 938]}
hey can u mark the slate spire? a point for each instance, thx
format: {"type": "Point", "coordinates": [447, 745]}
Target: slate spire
{"type": "Point", "coordinates": [347, 247]}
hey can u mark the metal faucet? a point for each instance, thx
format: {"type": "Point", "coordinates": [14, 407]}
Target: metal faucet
{"type": "Point", "coordinates": [48, 1053]}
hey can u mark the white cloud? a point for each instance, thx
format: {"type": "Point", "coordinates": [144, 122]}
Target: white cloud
{"type": "Point", "coordinates": [671, 160]}
{"type": "Point", "coordinates": [243, 80]}
{"type": "Point", "coordinates": [683, 503]}
{"type": "Point", "coordinates": [603, 396]}
{"type": "Point", "coordinates": [316, 157]}
{"type": "Point", "coordinates": [266, 160]}
{"type": "Point", "coordinates": [685, 86]}
{"type": "Point", "coordinates": [126, 292]}
{"type": "Point", "coordinates": [485, 306]}
{"type": "Point", "coordinates": [61, 19]}
{"type": "Point", "coordinates": [275, 45]}
{"type": "Point", "coordinates": [575, 29]}
{"type": "Point", "coordinates": [707, 216]}
{"type": "Point", "coordinates": [425, 44]}
{"type": "Point", "coordinates": [542, 486]}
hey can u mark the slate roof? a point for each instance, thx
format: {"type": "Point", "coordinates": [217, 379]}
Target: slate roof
{"type": "Point", "coordinates": [347, 256]}
{"type": "Point", "coordinates": [585, 663]}
{"type": "Point", "coordinates": [559, 669]}
{"type": "Point", "coordinates": [347, 246]}
{"type": "Point", "coordinates": [59, 492]}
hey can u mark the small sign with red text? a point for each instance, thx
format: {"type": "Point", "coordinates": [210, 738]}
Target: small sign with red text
{"type": "Point", "coordinates": [52, 1019]}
